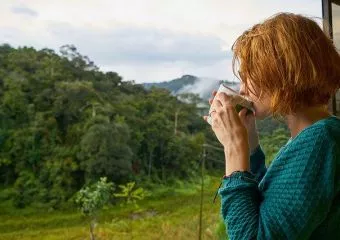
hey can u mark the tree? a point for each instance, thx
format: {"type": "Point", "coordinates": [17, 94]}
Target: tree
{"type": "Point", "coordinates": [104, 151]}
{"type": "Point", "coordinates": [64, 123]}
{"type": "Point", "coordinates": [92, 199]}
{"type": "Point", "coordinates": [272, 143]}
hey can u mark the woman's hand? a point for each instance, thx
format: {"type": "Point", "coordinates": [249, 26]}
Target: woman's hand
{"type": "Point", "coordinates": [249, 122]}
{"type": "Point", "coordinates": [231, 133]}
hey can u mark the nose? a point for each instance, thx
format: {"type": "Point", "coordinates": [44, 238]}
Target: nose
{"type": "Point", "coordinates": [242, 89]}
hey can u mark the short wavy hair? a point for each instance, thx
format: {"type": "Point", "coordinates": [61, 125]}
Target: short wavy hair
{"type": "Point", "coordinates": [290, 58]}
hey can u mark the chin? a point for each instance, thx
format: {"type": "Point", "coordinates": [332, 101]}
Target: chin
{"type": "Point", "coordinates": [260, 115]}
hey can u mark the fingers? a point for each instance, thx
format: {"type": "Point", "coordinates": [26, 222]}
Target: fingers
{"type": "Point", "coordinates": [227, 102]}
{"type": "Point", "coordinates": [216, 105]}
{"type": "Point", "coordinates": [211, 99]}
{"type": "Point", "coordinates": [223, 104]}
{"type": "Point", "coordinates": [243, 115]}
{"type": "Point", "coordinates": [225, 99]}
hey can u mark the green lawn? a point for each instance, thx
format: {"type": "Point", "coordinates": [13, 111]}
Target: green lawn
{"type": "Point", "coordinates": [170, 217]}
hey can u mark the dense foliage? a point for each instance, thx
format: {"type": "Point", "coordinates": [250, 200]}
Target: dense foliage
{"type": "Point", "coordinates": [64, 123]}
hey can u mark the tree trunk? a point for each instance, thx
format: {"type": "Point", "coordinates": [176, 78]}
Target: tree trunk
{"type": "Point", "coordinates": [150, 164]}
{"type": "Point", "coordinates": [92, 226]}
{"type": "Point", "coordinates": [162, 163]}
{"type": "Point", "coordinates": [176, 117]}
{"type": "Point", "coordinates": [200, 227]}
{"type": "Point", "coordinates": [163, 174]}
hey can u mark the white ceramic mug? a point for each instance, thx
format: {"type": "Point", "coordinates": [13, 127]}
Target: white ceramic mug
{"type": "Point", "coordinates": [238, 101]}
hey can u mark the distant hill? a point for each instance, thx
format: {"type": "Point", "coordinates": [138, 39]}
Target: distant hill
{"type": "Point", "coordinates": [192, 84]}
{"type": "Point", "coordinates": [174, 85]}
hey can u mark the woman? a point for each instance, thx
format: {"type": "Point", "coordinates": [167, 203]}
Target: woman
{"type": "Point", "coordinates": [289, 69]}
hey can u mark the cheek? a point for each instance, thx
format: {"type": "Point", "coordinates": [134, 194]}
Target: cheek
{"type": "Point", "coordinates": [262, 108]}
{"type": "Point", "coordinates": [259, 110]}
{"type": "Point", "coordinates": [262, 111]}
{"type": "Point", "coordinates": [257, 107]}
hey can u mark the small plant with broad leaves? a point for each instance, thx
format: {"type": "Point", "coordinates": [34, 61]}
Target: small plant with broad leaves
{"type": "Point", "coordinates": [92, 199]}
{"type": "Point", "coordinates": [130, 194]}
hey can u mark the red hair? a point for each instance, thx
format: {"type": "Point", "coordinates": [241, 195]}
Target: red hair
{"type": "Point", "coordinates": [290, 58]}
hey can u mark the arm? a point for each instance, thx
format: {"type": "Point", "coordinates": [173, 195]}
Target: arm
{"type": "Point", "coordinates": [294, 200]}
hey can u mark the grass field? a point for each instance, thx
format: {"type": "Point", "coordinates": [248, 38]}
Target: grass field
{"type": "Point", "coordinates": [169, 217]}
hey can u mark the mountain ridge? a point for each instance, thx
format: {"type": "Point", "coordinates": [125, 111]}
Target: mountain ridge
{"type": "Point", "coordinates": [192, 84]}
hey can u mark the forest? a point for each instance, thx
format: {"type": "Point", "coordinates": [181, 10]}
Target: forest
{"type": "Point", "coordinates": [64, 125]}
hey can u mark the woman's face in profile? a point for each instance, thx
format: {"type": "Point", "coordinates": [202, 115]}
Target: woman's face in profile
{"type": "Point", "coordinates": [261, 106]}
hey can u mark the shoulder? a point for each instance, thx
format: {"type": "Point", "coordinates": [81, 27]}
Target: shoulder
{"type": "Point", "coordinates": [325, 132]}
{"type": "Point", "coordinates": [315, 146]}
{"type": "Point", "coordinates": [308, 160]}
{"type": "Point", "coordinates": [314, 149]}
{"type": "Point", "coordinates": [313, 135]}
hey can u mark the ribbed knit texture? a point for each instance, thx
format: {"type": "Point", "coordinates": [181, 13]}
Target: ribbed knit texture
{"type": "Point", "coordinates": [297, 197]}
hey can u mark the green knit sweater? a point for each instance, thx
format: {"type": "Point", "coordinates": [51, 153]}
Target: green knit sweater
{"type": "Point", "coordinates": [297, 197]}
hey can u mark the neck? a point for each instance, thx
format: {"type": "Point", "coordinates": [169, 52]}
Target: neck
{"type": "Point", "coordinates": [304, 118]}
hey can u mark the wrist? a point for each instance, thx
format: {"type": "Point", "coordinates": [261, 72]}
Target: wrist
{"type": "Point", "coordinates": [236, 161]}
{"type": "Point", "coordinates": [253, 142]}
{"type": "Point", "coordinates": [237, 150]}
{"type": "Point", "coordinates": [228, 171]}
{"type": "Point", "coordinates": [237, 173]}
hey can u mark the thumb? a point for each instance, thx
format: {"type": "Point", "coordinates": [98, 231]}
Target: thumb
{"type": "Point", "coordinates": [248, 120]}
{"type": "Point", "coordinates": [243, 115]}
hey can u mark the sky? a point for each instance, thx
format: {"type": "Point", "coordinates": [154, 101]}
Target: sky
{"type": "Point", "coordinates": [144, 40]}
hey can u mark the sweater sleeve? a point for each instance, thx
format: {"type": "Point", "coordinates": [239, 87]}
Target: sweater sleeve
{"type": "Point", "coordinates": [294, 199]}
{"type": "Point", "coordinates": [257, 163]}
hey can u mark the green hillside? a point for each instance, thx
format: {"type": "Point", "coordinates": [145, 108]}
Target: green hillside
{"type": "Point", "coordinates": [64, 125]}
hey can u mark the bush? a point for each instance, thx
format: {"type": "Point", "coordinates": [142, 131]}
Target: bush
{"type": "Point", "coordinates": [26, 188]}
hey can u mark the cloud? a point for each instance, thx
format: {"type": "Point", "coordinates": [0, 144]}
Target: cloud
{"type": "Point", "coordinates": [225, 19]}
{"type": "Point", "coordinates": [148, 40]}
{"type": "Point", "coordinates": [140, 54]}
{"type": "Point", "coordinates": [165, 71]}
{"type": "Point", "coordinates": [140, 45]}
{"type": "Point", "coordinates": [24, 11]}
{"type": "Point", "coordinates": [203, 87]}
